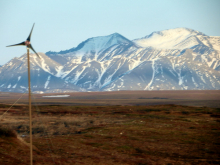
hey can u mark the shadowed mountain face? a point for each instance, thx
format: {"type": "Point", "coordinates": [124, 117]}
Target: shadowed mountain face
{"type": "Point", "coordinates": [175, 59]}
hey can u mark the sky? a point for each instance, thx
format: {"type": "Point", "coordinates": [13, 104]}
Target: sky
{"type": "Point", "coordinates": [61, 25]}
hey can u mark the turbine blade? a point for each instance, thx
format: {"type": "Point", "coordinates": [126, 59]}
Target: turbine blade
{"type": "Point", "coordinates": [20, 44]}
{"type": "Point", "coordinates": [33, 50]}
{"type": "Point", "coordinates": [29, 37]}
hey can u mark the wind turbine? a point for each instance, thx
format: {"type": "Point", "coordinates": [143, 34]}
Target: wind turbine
{"type": "Point", "coordinates": [27, 43]}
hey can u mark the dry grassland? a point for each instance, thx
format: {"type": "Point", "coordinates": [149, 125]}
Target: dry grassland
{"type": "Point", "coordinates": [113, 134]}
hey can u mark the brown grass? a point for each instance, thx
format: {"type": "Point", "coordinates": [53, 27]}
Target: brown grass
{"type": "Point", "coordinates": [7, 132]}
{"type": "Point", "coordinates": [159, 134]}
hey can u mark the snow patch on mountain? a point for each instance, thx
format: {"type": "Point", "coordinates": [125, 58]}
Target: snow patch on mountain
{"type": "Point", "coordinates": [47, 82]}
{"type": "Point", "coordinates": [59, 71]}
{"type": "Point", "coordinates": [45, 66]}
{"type": "Point", "coordinates": [148, 87]}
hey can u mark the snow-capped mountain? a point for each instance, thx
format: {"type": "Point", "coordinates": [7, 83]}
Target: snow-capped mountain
{"type": "Point", "coordinates": [179, 38]}
{"type": "Point", "coordinates": [174, 59]}
{"type": "Point", "coordinates": [13, 75]}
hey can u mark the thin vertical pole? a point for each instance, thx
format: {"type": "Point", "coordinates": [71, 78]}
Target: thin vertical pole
{"type": "Point", "coordinates": [30, 114]}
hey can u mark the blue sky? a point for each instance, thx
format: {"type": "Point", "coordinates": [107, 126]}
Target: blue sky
{"type": "Point", "coordinates": [63, 24]}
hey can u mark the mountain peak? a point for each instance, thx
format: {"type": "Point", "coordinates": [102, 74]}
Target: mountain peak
{"type": "Point", "coordinates": [178, 38]}
{"type": "Point", "coordinates": [116, 35]}
{"type": "Point", "coordinates": [96, 44]}
{"type": "Point", "coordinates": [176, 32]}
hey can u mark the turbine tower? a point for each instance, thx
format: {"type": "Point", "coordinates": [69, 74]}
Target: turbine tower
{"type": "Point", "coordinates": [27, 43]}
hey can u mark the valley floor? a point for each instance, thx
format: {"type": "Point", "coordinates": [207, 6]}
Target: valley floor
{"type": "Point", "coordinates": [199, 98]}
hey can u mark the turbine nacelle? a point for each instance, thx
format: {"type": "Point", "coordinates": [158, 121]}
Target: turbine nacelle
{"type": "Point", "coordinates": [27, 43]}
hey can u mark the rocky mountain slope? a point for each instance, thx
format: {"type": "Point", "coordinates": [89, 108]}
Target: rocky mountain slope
{"type": "Point", "coordinates": [174, 59]}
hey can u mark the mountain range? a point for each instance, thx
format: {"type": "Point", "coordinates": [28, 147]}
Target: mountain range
{"type": "Point", "coordinates": [174, 59]}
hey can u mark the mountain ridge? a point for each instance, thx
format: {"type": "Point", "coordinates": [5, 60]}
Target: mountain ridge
{"type": "Point", "coordinates": [171, 39]}
{"type": "Point", "coordinates": [173, 59]}
{"type": "Point", "coordinates": [82, 44]}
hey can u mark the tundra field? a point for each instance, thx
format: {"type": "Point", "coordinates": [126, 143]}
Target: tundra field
{"type": "Point", "coordinates": [126, 127]}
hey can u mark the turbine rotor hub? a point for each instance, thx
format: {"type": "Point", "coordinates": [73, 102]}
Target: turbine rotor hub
{"type": "Point", "coordinates": [27, 43]}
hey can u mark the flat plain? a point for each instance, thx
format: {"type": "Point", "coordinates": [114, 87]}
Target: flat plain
{"type": "Point", "coordinates": [124, 127]}
{"type": "Point", "coordinates": [209, 98]}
